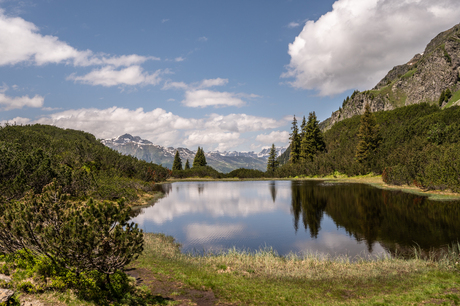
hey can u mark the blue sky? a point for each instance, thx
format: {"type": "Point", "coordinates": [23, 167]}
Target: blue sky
{"type": "Point", "coordinates": [225, 75]}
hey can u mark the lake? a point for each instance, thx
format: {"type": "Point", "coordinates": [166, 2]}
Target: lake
{"type": "Point", "coordinates": [300, 217]}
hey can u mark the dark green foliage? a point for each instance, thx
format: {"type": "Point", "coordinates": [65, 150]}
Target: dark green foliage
{"type": "Point", "coordinates": [312, 141]}
{"type": "Point", "coordinates": [32, 156]}
{"type": "Point", "coordinates": [200, 158]}
{"type": "Point", "coordinates": [447, 56]}
{"type": "Point", "coordinates": [246, 173]}
{"type": "Point", "coordinates": [302, 128]}
{"type": "Point", "coordinates": [444, 97]}
{"type": "Point", "coordinates": [368, 135]}
{"type": "Point", "coordinates": [177, 165]}
{"type": "Point", "coordinates": [420, 143]}
{"type": "Point", "coordinates": [272, 163]}
{"type": "Point", "coordinates": [199, 171]}
{"type": "Point", "coordinates": [187, 165]}
{"type": "Point", "coordinates": [73, 236]}
{"type": "Point", "coordinates": [295, 142]}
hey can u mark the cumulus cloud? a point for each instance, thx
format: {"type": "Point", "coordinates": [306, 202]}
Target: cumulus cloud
{"type": "Point", "coordinates": [203, 98]}
{"type": "Point", "coordinates": [162, 127]}
{"type": "Point", "coordinates": [9, 103]}
{"type": "Point", "coordinates": [109, 76]}
{"type": "Point", "coordinates": [224, 140]}
{"type": "Point", "coordinates": [273, 137]}
{"type": "Point", "coordinates": [355, 44]}
{"type": "Point", "coordinates": [21, 42]}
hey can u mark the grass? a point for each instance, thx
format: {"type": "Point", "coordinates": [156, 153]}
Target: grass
{"type": "Point", "coordinates": [264, 278]}
{"type": "Point", "coordinates": [454, 99]}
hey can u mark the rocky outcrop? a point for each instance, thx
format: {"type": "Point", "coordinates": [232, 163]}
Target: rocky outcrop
{"type": "Point", "coordinates": [422, 79]}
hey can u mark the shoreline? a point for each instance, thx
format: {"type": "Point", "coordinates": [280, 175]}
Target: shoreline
{"type": "Point", "coordinates": [373, 180]}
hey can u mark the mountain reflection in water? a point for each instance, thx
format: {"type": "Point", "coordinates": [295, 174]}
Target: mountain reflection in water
{"type": "Point", "coordinates": [300, 216]}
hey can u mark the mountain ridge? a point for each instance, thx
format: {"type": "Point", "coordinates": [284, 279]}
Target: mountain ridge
{"type": "Point", "coordinates": [422, 79]}
{"type": "Point", "coordinates": [221, 161]}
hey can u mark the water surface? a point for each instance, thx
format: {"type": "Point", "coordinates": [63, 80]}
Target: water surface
{"type": "Point", "coordinates": [300, 217]}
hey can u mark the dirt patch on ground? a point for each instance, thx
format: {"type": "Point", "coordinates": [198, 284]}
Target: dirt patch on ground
{"type": "Point", "coordinates": [173, 291]}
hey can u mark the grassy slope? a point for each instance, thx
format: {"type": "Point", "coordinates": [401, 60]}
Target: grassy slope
{"type": "Point", "coordinates": [264, 278]}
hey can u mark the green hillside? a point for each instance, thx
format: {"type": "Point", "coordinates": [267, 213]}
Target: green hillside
{"type": "Point", "coordinates": [32, 156]}
{"type": "Point", "coordinates": [420, 146]}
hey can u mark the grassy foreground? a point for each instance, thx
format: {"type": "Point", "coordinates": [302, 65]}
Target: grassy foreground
{"type": "Point", "coordinates": [241, 278]}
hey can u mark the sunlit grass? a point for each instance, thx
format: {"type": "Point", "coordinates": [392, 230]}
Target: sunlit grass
{"type": "Point", "coordinates": [264, 277]}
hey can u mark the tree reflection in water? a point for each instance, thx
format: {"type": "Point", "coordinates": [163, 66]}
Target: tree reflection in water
{"type": "Point", "coordinates": [272, 187]}
{"type": "Point", "coordinates": [396, 219]}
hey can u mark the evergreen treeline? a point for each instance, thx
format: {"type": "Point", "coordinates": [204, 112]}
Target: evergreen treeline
{"type": "Point", "coordinates": [417, 144]}
{"type": "Point", "coordinates": [33, 156]}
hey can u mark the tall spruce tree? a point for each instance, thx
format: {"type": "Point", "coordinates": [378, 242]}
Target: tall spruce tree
{"type": "Point", "coordinates": [312, 141]}
{"type": "Point", "coordinates": [272, 163]}
{"type": "Point", "coordinates": [369, 136]}
{"type": "Point", "coordinates": [295, 142]}
{"type": "Point", "coordinates": [187, 165]}
{"type": "Point", "coordinates": [200, 158]}
{"type": "Point", "coordinates": [177, 164]}
{"type": "Point", "coordinates": [302, 128]}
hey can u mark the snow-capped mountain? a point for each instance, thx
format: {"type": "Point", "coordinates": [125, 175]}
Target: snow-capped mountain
{"type": "Point", "coordinates": [221, 161]}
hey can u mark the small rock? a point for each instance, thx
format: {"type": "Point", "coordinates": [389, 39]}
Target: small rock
{"type": "Point", "coordinates": [5, 295]}
{"type": "Point", "coordinates": [5, 278]}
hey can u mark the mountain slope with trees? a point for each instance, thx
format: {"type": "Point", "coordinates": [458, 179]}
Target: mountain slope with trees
{"type": "Point", "coordinates": [418, 145]}
{"type": "Point", "coordinates": [423, 79]}
{"type": "Point", "coordinates": [33, 156]}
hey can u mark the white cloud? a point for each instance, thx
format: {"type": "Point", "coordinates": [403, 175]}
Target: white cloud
{"type": "Point", "coordinates": [203, 38]}
{"type": "Point", "coordinates": [109, 76]}
{"type": "Point", "coordinates": [21, 42]}
{"type": "Point", "coordinates": [224, 140]}
{"type": "Point", "coordinates": [203, 98]}
{"type": "Point", "coordinates": [162, 127]}
{"type": "Point", "coordinates": [355, 44]}
{"type": "Point", "coordinates": [241, 123]}
{"type": "Point", "coordinates": [175, 85]}
{"type": "Point", "coordinates": [164, 20]}
{"type": "Point", "coordinates": [17, 120]}
{"type": "Point", "coordinates": [273, 137]}
{"type": "Point", "coordinates": [9, 103]}
{"type": "Point", "coordinates": [179, 59]}
{"type": "Point", "coordinates": [206, 232]}
{"type": "Point", "coordinates": [213, 82]}
{"type": "Point", "coordinates": [293, 25]}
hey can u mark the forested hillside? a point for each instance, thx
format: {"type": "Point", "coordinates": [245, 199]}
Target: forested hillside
{"type": "Point", "coordinates": [420, 145]}
{"type": "Point", "coordinates": [32, 156]}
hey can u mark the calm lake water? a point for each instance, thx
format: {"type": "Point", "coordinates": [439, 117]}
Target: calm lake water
{"type": "Point", "coordinates": [300, 216]}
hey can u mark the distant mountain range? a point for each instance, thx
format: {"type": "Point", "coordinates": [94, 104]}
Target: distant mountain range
{"type": "Point", "coordinates": [221, 161]}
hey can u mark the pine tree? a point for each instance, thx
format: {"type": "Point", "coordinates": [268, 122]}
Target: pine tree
{"type": "Point", "coordinates": [177, 164]}
{"type": "Point", "coordinates": [369, 136]}
{"type": "Point", "coordinates": [295, 142]}
{"type": "Point", "coordinates": [200, 158]}
{"type": "Point", "coordinates": [272, 163]}
{"type": "Point", "coordinates": [187, 165]}
{"type": "Point", "coordinates": [302, 128]}
{"type": "Point", "coordinates": [312, 141]}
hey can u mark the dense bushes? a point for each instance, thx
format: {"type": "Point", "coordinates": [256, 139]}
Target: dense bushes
{"type": "Point", "coordinates": [32, 156]}
{"type": "Point", "coordinates": [420, 145]}
{"type": "Point", "coordinates": [246, 173]}
{"type": "Point", "coordinates": [201, 171]}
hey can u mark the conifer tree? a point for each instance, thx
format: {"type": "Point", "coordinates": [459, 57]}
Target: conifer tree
{"type": "Point", "coordinates": [187, 165]}
{"type": "Point", "coordinates": [200, 158]}
{"type": "Point", "coordinates": [302, 128]}
{"type": "Point", "coordinates": [177, 164]}
{"type": "Point", "coordinates": [369, 136]}
{"type": "Point", "coordinates": [295, 142]}
{"type": "Point", "coordinates": [312, 141]}
{"type": "Point", "coordinates": [272, 163]}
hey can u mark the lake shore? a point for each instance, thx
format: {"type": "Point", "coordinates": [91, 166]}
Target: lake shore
{"type": "Point", "coordinates": [370, 179]}
{"type": "Point", "coordinates": [264, 278]}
